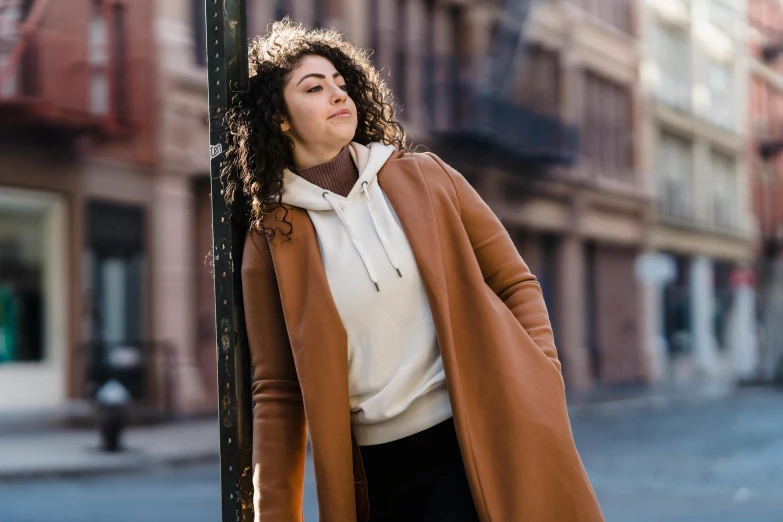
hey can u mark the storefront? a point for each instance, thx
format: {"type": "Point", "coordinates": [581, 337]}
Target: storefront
{"type": "Point", "coordinates": [33, 276]}
{"type": "Point", "coordinates": [707, 320]}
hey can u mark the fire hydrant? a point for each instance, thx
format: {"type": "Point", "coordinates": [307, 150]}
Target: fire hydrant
{"type": "Point", "coordinates": [112, 401]}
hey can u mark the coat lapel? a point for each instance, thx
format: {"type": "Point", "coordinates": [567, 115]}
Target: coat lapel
{"type": "Point", "coordinates": [404, 185]}
{"type": "Point", "coordinates": [412, 199]}
{"type": "Point", "coordinates": [320, 347]}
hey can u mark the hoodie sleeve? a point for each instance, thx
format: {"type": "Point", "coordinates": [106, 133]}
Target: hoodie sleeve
{"type": "Point", "coordinates": [279, 431]}
{"type": "Point", "coordinates": [503, 268]}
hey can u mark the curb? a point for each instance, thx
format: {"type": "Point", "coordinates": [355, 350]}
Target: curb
{"type": "Point", "coordinates": [95, 470]}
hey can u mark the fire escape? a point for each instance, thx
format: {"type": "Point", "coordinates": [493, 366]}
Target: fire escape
{"type": "Point", "coordinates": [769, 149]}
{"type": "Point", "coordinates": [480, 109]}
{"type": "Point", "coordinates": [770, 265]}
{"type": "Point", "coordinates": [57, 84]}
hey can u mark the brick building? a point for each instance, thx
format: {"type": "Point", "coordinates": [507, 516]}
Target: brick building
{"type": "Point", "coordinates": [765, 119]}
{"type": "Point", "coordinates": [85, 266]}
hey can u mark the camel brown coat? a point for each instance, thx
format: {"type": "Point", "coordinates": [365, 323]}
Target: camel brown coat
{"type": "Point", "coordinates": [495, 338]}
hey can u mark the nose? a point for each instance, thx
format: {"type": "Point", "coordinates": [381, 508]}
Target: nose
{"type": "Point", "coordinates": [339, 95]}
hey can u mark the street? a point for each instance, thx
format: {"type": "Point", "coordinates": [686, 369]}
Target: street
{"type": "Point", "coordinates": [715, 461]}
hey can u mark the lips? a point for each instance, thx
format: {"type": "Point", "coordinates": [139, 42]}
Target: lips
{"type": "Point", "coordinates": [343, 112]}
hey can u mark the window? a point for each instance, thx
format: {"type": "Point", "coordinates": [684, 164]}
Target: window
{"type": "Point", "coordinates": [115, 262]}
{"type": "Point", "coordinates": [758, 108]}
{"type": "Point", "coordinates": [766, 17]}
{"type": "Point", "coordinates": [616, 13]}
{"type": "Point", "coordinates": [724, 203]}
{"type": "Point", "coordinates": [672, 52]}
{"type": "Point", "coordinates": [98, 54]}
{"type": "Point", "coordinates": [282, 9]}
{"type": "Point", "coordinates": [429, 60]}
{"type": "Point", "coordinates": [399, 59]}
{"type": "Point", "coordinates": [373, 12]}
{"type": "Point", "coordinates": [121, 109]}
{"type": "Point", "coordinates": [675, 174]}
{"type": "Point", "coordinates": [540, 81]}
{"type": "Point", "coordinates": [548, 277]}
{"type": "Point", "coordinates": [251, 18]}
{"type": "Point", "coordinates": [722, 305]}
{"type": "Point", "coordinates": [198, 8]}
{"type": "Point", "coordinates": [678, 308]}
{"type": "Point", "coordinates": [22, 280]}
{"type": "Point", "coordinates": [723, 15]}
{"type": "Point", "coordinates": [721, 111]}
{"type": "Point", "coordinates": [606, 137]}
{"type": "Point", "coordinates": [766, 108]}
{"type": "Point", "coordinates": [318, 13]}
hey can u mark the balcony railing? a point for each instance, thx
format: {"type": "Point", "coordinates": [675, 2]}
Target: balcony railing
{"type": "Point", "coordinates": [48, 81]}
{"type": "Point", "coordinates": [462, 110]}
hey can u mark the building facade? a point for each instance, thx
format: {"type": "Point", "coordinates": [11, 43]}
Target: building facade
{"type": "Point", "coordinates": [598, 152]}
{"type": "Point", "coordinates": [76, 170]}
{"type": "Point", "coordinates": [701, 304]}
{"type": "Point", "coordinates": [582, 226]}
{"type": "Point", "coordinates": [554, 155]}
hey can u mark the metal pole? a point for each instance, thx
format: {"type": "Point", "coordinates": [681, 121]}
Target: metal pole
{"type": "Point", "coordinates": [227, 72]}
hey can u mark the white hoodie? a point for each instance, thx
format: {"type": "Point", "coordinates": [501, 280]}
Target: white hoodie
{"type": "Point", "coordinates": [395, 373]}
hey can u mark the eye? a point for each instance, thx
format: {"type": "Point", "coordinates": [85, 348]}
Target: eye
{"type": "Point", "coordinates": [344, 87]}
{"type": "Point", "coordinates": [314, 88]}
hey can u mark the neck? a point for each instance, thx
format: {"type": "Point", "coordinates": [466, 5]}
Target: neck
{"type": "Point", "coordinates": [305, 157]}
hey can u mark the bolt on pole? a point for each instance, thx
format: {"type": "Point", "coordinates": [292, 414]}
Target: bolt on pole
{"type": "Point", "coordinates": [226, 46]}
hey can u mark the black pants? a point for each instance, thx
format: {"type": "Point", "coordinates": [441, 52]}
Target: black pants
{"type": "Point", "coordinates": [419, 478]}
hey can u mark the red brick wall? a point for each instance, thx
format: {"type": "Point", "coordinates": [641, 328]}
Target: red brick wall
{"type": "Point", "coordinates": [765, 111]}
{"type": "Point", "coordinates": [65, 29]}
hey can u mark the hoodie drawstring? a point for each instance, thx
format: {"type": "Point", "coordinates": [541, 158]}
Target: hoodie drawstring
{"type": "Point", "coordinates": [390, 253]}
{"type": "Point", "coordinates": [362, 252]}
{"type": "Point", "coordinates": [387, 247]}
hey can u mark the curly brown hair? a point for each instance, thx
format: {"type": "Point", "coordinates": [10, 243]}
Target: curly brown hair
{"type": "Point", "coordinates": [258, 151]}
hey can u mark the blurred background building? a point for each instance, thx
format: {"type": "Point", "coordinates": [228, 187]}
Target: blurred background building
{"type": "Point", "coordinates": [695, 72]}
{"type": "Point", "coordinates": [628, 146]}
{"type": "Point", "coordinates": [77, 186]}
{"type": "Point", "coordinates": [765, 120]}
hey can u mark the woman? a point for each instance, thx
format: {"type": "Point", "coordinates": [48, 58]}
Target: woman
{"type": "Point", "coordinates": [388, 313]}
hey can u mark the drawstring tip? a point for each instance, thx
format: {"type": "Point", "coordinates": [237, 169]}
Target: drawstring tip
{"type": "Point", "coordinates": [377, 287]}
{"type": "Point", "coordinates": [399, 273]}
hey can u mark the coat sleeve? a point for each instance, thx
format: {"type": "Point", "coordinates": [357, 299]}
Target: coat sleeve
{"type": "Point", "coordinates": [504, 270]}
{"type": "Point", "coordinates": [279, 431]}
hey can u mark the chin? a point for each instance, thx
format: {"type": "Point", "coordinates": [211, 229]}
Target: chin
{"type": "Point", "coordinates": [345, 137]}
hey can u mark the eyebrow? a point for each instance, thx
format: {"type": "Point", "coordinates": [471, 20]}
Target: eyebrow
{"type": "Point", "coordinates": [317, 75]}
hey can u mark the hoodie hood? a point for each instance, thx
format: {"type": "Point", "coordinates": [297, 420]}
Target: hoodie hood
{"type": "Point", "coordinates": [323, 205]}
{"type": "Point", "coordinates": [369, 160]}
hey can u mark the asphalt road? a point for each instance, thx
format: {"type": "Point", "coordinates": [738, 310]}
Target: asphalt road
{"type": "Point", "coordinates": [717, 462]}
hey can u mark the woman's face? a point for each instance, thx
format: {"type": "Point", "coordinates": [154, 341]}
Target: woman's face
{"type": "Point", "coordinates": [322, 115]}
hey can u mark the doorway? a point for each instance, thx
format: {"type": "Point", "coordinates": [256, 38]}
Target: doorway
{"type": "Point", "coordinates": [114, 273]}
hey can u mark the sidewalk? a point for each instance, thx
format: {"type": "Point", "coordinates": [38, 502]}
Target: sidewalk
{"type": "Point", "coordinates": [68, 453]}
{"type": "Point", "coordinates": [60, 452]}
{"type": "Point", "coordinates": [656, 396]}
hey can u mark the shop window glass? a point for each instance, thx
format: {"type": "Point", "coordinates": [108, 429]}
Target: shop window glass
{"type": "Point", "coordinates": [21, 286]}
